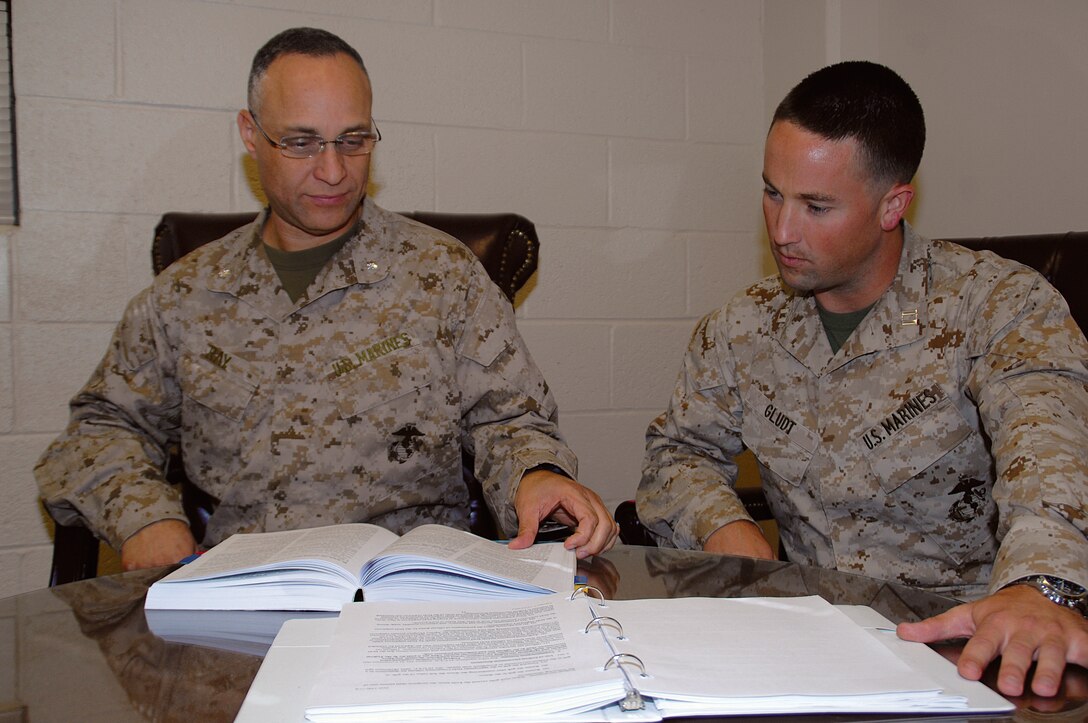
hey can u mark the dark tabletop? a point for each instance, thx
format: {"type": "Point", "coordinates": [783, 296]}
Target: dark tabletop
{"type": "Point", "coordinates": [84, 651]}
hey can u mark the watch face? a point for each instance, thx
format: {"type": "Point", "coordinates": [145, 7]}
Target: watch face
{"type": "Point", "coordinates": [1066, 588]}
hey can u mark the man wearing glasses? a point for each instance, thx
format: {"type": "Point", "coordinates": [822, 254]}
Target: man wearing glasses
{"type": "Point", "coordinates": [324, 364]}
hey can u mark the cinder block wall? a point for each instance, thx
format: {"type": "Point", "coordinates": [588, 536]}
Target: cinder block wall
{"type": "Point", "coordinates": [629, 131]}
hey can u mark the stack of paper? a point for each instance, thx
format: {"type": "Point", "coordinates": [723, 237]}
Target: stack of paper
{"type": "Point", "coordinates": [549, 657]}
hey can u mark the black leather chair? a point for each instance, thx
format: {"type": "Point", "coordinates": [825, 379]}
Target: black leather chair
{"type": "Point", "coordinates": [506, 245]}
{"type": "Point", "coordinates": [1060, 257]}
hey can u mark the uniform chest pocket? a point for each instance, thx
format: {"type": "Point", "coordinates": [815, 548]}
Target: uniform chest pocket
{"type": "Point", "coordinates": [776, 437]}
{"type": "Point", "coordinates": [918, 444]}
{"type": "Point", "coordinates": [225, 386]}
{"type": "Point", "coordinates": [937, 471]}
{"type": "Point", "coordinates": [383, 380]}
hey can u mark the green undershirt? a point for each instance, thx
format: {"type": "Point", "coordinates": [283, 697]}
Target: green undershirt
{"type": "Point", "coordinates": [839, 327]}
{"type": "Point", "coordinates": [298, 269]}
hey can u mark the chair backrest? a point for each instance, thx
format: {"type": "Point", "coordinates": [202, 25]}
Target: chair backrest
{"type": "Point", "coordinates": [506, 245]}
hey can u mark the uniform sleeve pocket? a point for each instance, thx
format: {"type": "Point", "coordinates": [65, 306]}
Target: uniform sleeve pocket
{"type": "Point", "coordinates": [776, 439]}
{"type": "Point", "coordinates": [488, 332]}
{"type": "Point", "coordinates": [227, 391]}
{"type": "Point", "coordinates": [382, 380]}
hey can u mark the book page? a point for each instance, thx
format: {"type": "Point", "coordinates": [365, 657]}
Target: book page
{"type": "Point", "coordinates": [537, 658]}
{"type": "Point", "coordinates": [346, 547]}
{"type": "Point", "coordinates": [546, 565]}
{"type": "Point", "coordinates": [419, 656]}
{"type": "Point", "coordinates": [295, 663]}
{"type": "Point", "coordinates": [758, 647]}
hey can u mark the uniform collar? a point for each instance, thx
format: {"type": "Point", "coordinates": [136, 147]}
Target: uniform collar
{"type": "Point", "coordinates": [896, 319]}
{"type": "Point", "coordinates": [364, 259]}
{"type": "Point", "coordinates": [245, 272]}
{"type": "Point", "coordinates": [900, 314]}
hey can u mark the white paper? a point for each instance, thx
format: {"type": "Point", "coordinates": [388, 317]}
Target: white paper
{"type": "Point", "coordinates": [490, 656]}
{"type": "Point", "coordinates": [314, 569]}
{"type": "Point", "coordinates": [540, 568]}
{"type": "Point", "coordinates": [820, 658]}
{"type": "Point", "coordinates": [751, 647]}
{"type": "Point", "coordinates": [322, 568]}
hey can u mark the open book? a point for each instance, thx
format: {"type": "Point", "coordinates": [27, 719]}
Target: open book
{"type": "Point", "coordinates": [324, 567]}
{"type": "Point", "coordinates": [558, 658]}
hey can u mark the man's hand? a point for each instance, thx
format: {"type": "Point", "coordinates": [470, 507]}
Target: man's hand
{"type": "Point", "coordinates": [161, 543]}
{"type": "Point", "coordinates": [1019, 624]}
{"type": "Point", "coordinates": [742, 538]}
{"type": "Point", "coordinates": [543, 494]}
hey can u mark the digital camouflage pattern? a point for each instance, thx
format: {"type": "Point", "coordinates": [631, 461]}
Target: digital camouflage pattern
{"type": "Point", "coordinates": [943, 446]}
{"type": "Point", "coordinates": [351, 405]}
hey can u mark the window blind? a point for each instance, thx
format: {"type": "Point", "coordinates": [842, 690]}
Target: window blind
{"type": "Point", "coordinates": [9, 204]}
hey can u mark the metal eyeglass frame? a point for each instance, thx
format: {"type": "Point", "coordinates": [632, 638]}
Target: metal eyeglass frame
{"type": "Point", "coordinates": [339, 141]}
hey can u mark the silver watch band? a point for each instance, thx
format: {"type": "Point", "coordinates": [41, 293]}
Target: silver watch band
{"type": "Point", "coordinates": [1058, 590]}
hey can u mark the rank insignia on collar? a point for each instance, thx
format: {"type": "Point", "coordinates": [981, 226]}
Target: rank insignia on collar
{"type": "Point", "coordinates": [908, 318]}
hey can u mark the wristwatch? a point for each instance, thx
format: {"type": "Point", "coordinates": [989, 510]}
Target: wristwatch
{"type": "Point", "coordinates": [1057, 590]}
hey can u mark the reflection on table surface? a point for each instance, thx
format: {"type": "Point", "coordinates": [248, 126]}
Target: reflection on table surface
{"type": "Point", "coordinates": [84, 651]}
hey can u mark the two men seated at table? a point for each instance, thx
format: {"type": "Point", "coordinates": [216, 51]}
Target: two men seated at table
{"type": "Point", "coordinates": [918, 411]}
{"type": "Point", "coordinates": [234, 354]}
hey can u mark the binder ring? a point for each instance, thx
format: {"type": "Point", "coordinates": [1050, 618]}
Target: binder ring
{"type": "Point", "coordinates": [624, 659]}
{"type": "Point", "coordinates": [584, 591]}
{"type": "Point", "coordinates": [603, 620]}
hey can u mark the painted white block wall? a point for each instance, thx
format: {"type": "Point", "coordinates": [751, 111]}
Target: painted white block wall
{"type": "Point", "coordinates": [629, 131]}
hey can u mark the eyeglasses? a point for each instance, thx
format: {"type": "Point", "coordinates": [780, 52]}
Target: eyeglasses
{"type": "Point", "coordinates": [356, 143]}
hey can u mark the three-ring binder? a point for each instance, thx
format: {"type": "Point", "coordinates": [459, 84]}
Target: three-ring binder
{"type": "Point", "coordinates": [632, 699]}
{"type": "Point", "coordinates": [605, 620]}
{"type": "Point", "coordinates": [585, 590]}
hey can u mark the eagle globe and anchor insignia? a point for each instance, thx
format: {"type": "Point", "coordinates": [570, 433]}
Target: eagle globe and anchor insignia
{"type": "Point", "coordinates": [406, 441]}
{"type": "Point", "coordinates": [971, 504]}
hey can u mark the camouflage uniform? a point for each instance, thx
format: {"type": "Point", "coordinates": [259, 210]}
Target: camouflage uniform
{"type": "Point", "coordinates": [350, 405]}
{"type": "Point", "coordinates": [942, 446]}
